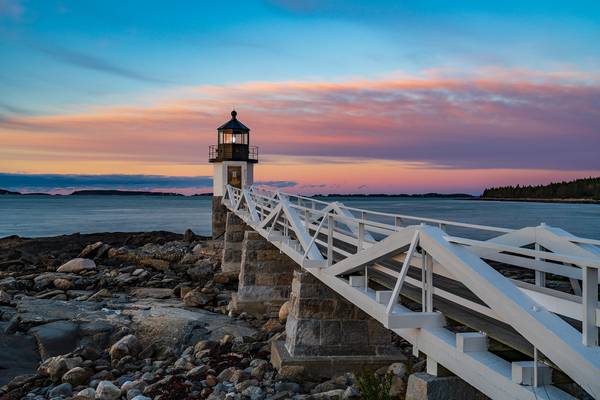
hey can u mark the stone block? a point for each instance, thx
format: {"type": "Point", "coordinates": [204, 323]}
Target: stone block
{"type": "Point", "coordinates": [356, 333]}
{"type": "Point", "coordinates": [331, 333]}
{"type": "Point", "coordinates": [422, 386]}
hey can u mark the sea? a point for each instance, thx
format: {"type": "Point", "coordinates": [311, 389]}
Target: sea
{"type": "Point", "coordinates": [39, 216]}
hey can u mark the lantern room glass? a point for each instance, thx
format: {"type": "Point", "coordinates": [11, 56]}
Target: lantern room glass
{"type": "Point", "coordinates": [229, 136]}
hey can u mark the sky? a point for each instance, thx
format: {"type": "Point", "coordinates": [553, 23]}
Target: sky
{"type": "Point", "coordinates": [341, 96]}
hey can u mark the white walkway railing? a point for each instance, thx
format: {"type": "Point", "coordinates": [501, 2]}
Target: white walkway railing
{"type": "Point", "coordinates": [346, 248]}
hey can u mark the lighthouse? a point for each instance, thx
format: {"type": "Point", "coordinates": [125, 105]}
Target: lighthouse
{"type": "Point", "coordinates": [233, 162]}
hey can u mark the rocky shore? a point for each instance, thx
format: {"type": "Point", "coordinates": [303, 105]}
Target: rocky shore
{"type": "Point", "coordinates": [141, 316]}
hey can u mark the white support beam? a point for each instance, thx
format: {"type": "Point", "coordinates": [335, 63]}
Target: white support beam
{"type": "Point", "coordinates": [590, 304]}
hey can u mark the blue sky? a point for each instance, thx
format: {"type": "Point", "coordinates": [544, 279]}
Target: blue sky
{"type": "Point", "coordinates": [97, 87]}
{"type": "Point", "coordinates": [60, 55]}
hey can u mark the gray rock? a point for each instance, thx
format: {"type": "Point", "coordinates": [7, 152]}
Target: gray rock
{"type": "Point", "coordinates": [153, 293]}
{"type": "Point", "coordinates": [46, 279]}
{"type": "Point", "coordinates": [107, 391]}
{"type": "Point", "coordinates": [398, 369]}
{"type": "Point", "coordinates": [5, 298]}
{"type": "Point", "coordinates": [127, 346]}
{"type": "Point", "coordinates": [62, 390]}
{"type": "Point", "coordinates": [19, 356]}
{"type": "Point", "coordinates": [196, 298]}
{"type": "Point", "coordinates": [56, 367]}
{"type": "Point", "coordinates": [197, 372]}
{"type": "Point", "coordinates": [77, 265]}
{"type": "Point", "coordinates": [77, 376]}
{"type": "Point", "coordinates": [254, 393]}
{"type": "Point", "coordinates": [422, 386]}
{"type": "Point", "coordinates": [55, 338]}
{"type": "Point", "coordinates": [336, 394]}
{"type": "Point", "coordinates": [90, 250]}
{"type": "Point", "coordinates": [351, 393]}
{"type": "Point", "coordinates": [201, 272]}
{"type": "Point", "coordinates": [85, 394]}
{"type": "Point", "coordinates": [8, 283]}
{"type": "Point", "coordinates": [141, 397]}
{"type": "Point", "coordinates": [133, 393]}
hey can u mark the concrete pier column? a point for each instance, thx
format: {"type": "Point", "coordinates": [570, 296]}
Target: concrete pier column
{"type": "Point", "coordinates": [327, 335]}
{"type": "Point", "coordinates": [265, 280]}
{"type": "Point", "coordinates": [219, 215]}
{"type": "Point", "coordinates": [232, 246]}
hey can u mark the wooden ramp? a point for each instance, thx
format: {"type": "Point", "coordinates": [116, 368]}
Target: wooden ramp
{"type": "Point", "coordinates": [375, 260]}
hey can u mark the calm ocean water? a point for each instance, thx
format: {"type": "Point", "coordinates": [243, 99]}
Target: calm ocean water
{"type": "Point", "coordinates": [47, 216]}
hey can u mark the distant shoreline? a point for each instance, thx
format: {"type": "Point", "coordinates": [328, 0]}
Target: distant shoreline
{"type": "Point", "coordinates": [534, 200]}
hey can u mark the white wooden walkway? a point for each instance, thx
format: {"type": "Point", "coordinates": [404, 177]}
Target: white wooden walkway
{"type": "Point", "coordinates": [345, 248]}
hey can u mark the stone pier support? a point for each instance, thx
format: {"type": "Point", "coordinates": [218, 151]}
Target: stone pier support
{"type": "Point", "coordinates": [422, 386]}
{"type": "Point", "coordinates": [265, 279]}
{"type": "Point", "coordinates": [327, 335]}
{"type": "Point", "coordinates": [219, 215]}
{"type": "Point", "coordinates": [232, 246]}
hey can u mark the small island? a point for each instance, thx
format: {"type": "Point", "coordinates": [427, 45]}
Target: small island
{"type": "Point", "coordinates": [585, 190]}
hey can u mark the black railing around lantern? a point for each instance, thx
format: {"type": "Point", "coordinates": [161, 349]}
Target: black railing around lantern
{"type": "Point", "coordinates": [232, 152]}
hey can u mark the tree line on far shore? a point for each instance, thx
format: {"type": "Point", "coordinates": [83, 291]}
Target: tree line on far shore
{"type": "Point", "coordinates": [587, 188]}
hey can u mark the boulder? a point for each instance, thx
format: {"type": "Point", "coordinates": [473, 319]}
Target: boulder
{"type": "Point", "coordinates": [197, 298]}
{"type": "Point", "coordinates": [155, 263]}
{"type": "Point", "coordinates": [189, 236]}
{"type": "Point", "coordinates": [153, 293]}
{"type": "Point", "coordinates": [201, 272]}
{"type": "Point", "coordinates": [77, 376]}
{"type": "Point", "coordinates": [284, 312]}
{"type": "Point", "coordinates": [18, 356]}
{"type": "Point", "coordinates": [90, 250]}
{"type": "Point", "coordinates": [5, 298]}
{"type": "Point", "coordinates": [107, 391]}
{"type": "Point", "coordinates": [397, 369]}
{"type": "Point", "coordinates": [63, 390]}
{"type": "Point", "coordinates": [56, 367]}
{"type": "Point", "coordinates": [422, 386]}
{"type": "Point", "coordinates": [44, 280]}
{"type": "Point", "coordinates": [100, 294]}
{"type": "Point", "coordinates": [62, 284]}
{"type": "Point", "coordinates": [8, 283]}
{"type": "Point", "coordinates": [77, 265]}
{"type": "Point", "coordinates": [127, 346]}
{"type": "Point", "coordinates": [86, 394]}
{"type": "Point", "coordinates": [55, 338]}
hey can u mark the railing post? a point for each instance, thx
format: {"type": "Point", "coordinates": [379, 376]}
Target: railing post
{"type": "Point", "coordinates": [330, 223]}
{"type": "Point", "coordinates": [540, 276]}
{"type": "Point", "coordinates": [590, 303]}
{"type": "Point", "coordinates": [429, 264]}
{"type": "Point", "coordinates": [361, 236]}
{"type": "Point", "coordinates": [397, 221]}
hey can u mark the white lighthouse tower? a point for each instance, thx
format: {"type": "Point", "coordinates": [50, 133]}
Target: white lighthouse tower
{"type": "Point", "coordinates": [233, 162]}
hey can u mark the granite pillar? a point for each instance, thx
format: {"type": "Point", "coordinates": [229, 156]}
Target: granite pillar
{"type": "Point", "coordinates": [219, 215]}
{"type": "Point", "coordinates": [327, 335]}
{"type": "Point", "coordinates": [265, 279]}
{"type": "Point", "coordinates": [232, 246]}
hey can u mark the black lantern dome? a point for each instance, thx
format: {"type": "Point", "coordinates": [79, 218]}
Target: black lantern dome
{"type": "Point", "coordinates": [233, 143]}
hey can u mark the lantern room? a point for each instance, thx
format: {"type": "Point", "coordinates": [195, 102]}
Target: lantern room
{"type": "Point", "coordinates": [233, 143]}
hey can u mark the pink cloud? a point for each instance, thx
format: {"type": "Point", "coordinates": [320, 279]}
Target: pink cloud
{"type": "Point", "coordinates": [526, 122]}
